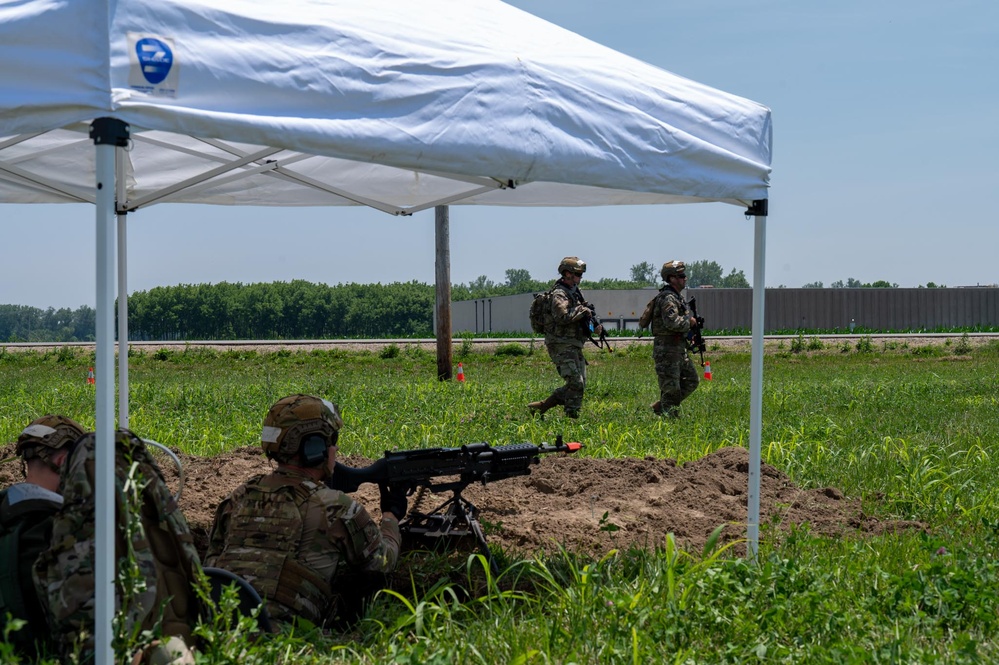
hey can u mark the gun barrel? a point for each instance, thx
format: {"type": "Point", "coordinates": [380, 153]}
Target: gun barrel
{"type": "Point", "coordinates": [473, 461]}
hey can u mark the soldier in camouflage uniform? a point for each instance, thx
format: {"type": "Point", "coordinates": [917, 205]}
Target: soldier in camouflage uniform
{"type": "Point", "coordinates": [301, 545]}
{"type": "Point", "coordinates": [566, 331]}
{"type": "Point", "coordinates": [155, 559]}
{"type": "Point", "coordinates": [26, 511]}
{"type": "Point", "coordinates": [671, 321]}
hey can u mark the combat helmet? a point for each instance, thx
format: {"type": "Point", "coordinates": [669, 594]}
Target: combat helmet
{"type": "Point", "coordinates": [46, 435]}
{"type": "Point", "coordinates": [673, 268]}
{"type": "Point", "coordinates": [572, 264]}
{"type": "Point", "coordinates": [293, 419]}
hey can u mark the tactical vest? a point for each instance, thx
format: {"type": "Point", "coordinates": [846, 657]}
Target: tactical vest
{"type": "Point", "coordinates": [659, 330]}
{"type": "Point", "coordinates": [151, 534]}
{"type": "Point", "coordinates": [269, 515]}
{"type": "Point", "coordinates": [563, 331]}
{"type": "Point", "coordinates": [25, 531]}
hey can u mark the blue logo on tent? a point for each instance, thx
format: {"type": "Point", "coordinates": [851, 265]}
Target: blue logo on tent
{"type": "Point", "coordinates": [155, 59]}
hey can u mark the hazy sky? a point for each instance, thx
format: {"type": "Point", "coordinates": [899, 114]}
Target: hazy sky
{"type": "Point", "coordinates": [886, 131]}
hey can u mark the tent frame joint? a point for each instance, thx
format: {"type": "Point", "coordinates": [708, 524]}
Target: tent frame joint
{"type": "Point", "coordinates": [758, 208]}
{"type": "Point", "coordinates": [109, 131]}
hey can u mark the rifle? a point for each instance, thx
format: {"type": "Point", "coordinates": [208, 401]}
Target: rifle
{"type": "Point", "coordinates": [592, 321]}
{"type": "Point", "coordinates": [427, 469]}
{"type": "Point", "coordinates": [695, 341]}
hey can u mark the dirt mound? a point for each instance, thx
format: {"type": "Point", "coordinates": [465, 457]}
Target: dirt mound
{"type": "Point", "coordinates": [588, 505]}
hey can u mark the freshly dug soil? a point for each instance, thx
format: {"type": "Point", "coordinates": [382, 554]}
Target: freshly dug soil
{"type": "Point", "coordinates": [590, 506]}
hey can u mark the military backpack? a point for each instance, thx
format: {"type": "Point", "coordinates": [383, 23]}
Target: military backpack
{"type": "Point", "coordinates": [25, 531]}
{"type": "Point", "coordinates": [156, 562]}
{"type": "Point", "coordinates": [542, 320]}
{"type": "Point", "coordinates": [645, 320]}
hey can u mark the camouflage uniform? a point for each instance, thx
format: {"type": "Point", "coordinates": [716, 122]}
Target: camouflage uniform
{"type": "Point", "coordinates": [675, 370]}
{"type": "Point", "coordinates": [300, 544]}
{"type": "Point", "coordinates": [26, 513]}
{"type": "Point", "coordinates": [151, 535]}
{"type": "Point", "coordinates": [564, 342]}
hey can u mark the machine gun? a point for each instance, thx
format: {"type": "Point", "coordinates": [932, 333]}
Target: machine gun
{"type": "Point", "coordinates": [695, 341]}
{"type": "Point", "coordinates": [447, 470]}
{"type": "Point", "coordinates": [592, 322]}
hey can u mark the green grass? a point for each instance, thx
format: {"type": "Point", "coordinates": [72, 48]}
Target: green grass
{"type": "Point", "coordinates": [911, 431]}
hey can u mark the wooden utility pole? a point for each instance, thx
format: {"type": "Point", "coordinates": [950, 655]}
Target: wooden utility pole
{"type": "Point", "coordinates": [442, 279]}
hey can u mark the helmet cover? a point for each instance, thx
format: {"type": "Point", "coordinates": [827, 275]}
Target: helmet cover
{"type": "Point", "coordinates": [673, 268]}
{"type": "Point", "coordinates": [573, 264]}
{"type": "Point", "coordinates": [293, 418]}
{"type": "Point", "coordinates": [46, 435]}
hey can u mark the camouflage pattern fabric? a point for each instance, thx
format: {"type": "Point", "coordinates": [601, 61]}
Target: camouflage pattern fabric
{"type": "Point", "coordinates": [154, 550]}
{"type": "Point", "coordinates": [298, 543]}
{"type": "Point", "coordinates": [564, 340]}
{"type": "Point", "coordinates": [571, 365]}
{"type": "Point", "coordinates": [675, 370]}
{"type": "Point", "coordinates": [677, 377]}
{"type": "Point", "coordinates": [567, 312]}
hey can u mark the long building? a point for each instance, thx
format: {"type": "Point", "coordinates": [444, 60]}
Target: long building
{"type": "Point", "coordinates": [784, 309]}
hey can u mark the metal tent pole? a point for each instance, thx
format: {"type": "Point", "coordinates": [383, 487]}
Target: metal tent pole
{"type": "Point", "coordinates": [759, 210]}
{"type": "Point", "coordinates": [122, 288]}
{"type": "Point", "coordinates": [107, 134]}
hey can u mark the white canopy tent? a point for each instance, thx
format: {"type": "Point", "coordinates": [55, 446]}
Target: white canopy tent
{"type": "Point", "coordinates": [392, 104]}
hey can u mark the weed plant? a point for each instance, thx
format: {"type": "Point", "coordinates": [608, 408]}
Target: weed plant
{"type": "Point", "coordinates": [911, 431]}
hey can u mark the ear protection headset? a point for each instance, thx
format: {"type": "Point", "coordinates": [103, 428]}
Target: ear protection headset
{"type": "Point", "coordinates": [313, 449]}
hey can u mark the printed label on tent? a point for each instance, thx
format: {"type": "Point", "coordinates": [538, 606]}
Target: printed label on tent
{"type": "Point", "coordinates": [152, 67]}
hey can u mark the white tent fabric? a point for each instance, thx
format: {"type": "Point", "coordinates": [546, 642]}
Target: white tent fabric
{"type": "Point", "coordinates": [403, 103]}
{"type": "Point", "coordinates": [394, 104]}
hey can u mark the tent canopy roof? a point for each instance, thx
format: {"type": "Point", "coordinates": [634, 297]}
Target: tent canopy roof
{"type": "Point", "coordinates": [389, 103]}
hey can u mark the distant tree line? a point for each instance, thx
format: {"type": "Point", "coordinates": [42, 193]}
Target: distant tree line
{"type": "Point", "coordinates": [699, 273]}
{"type": "Point", "coordinates": [304, 310]}
{"type": "Point", "coordinates": [277, 310]}
{"type": "Point", "coordinates": [852, 283]}
{"type": "Point", "coordinates": [21, 323]}
{"type": "Point", "coordinates": [519, 280]}
{"type": "Point", "coordinates": [281, 310]}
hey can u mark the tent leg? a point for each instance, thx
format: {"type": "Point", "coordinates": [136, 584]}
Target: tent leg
{"type": "Point", "coordinates": [107, 133]}
{"type": "Point", "coordinates": [122, 289]}
{"type": "Point", "coordinates": [756, 378]}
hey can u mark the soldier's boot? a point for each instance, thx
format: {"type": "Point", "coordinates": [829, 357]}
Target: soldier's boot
{"type": "Point", "coordinates": [542, 406]}
{"type": "Point", "coordinates": [657, 407]}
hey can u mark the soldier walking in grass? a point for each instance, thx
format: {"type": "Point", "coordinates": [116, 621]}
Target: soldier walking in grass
{"type": "Point", "coordinates": [671, 320]}
{"type": "Point", "coordinates": [566, 331]}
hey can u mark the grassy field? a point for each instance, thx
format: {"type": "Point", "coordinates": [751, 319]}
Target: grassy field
{"type": "Point", "coordinates": [911, 430]}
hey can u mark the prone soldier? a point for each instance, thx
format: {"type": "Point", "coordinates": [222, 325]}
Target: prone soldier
{"type": "Point", "coordinates": [303, 546]}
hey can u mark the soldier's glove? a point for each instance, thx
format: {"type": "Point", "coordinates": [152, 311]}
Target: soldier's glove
{"type": "Point", "coordinates": [700, 321]}
{"type": "Point", "coordinates": [580, 314]}
{"type": "Point", "coordinates": [393, 500]}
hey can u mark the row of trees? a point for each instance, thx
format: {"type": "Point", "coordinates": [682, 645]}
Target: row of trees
{"type": "Point", "coordinates": [20, 323]}
{"type": "Point", "coordinates": [303, 310]}
{"type": "Point", "coordinates": [709, 273]}
{"type": "Point", "coordinates": [519, 280]}
{"type": "Point", "coordinates": [852, 283]}
{"type": "Point", "coordinates": [278, 310]}
{"type": "Point", "coordinates": [699, 273]}
{"type": "Point", "coordinates": [281, 310]}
